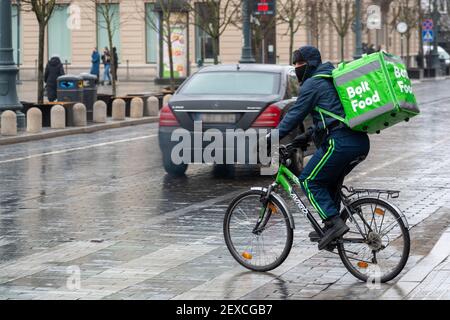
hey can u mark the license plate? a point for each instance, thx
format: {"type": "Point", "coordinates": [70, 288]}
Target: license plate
{"type": "Point", "coordinates": [218, 117]}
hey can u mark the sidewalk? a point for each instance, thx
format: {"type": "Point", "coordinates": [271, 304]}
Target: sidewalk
{"type": "Point", "coordinates": [429, 279]}
{"type": "Point", "coordinates": [23, 136]}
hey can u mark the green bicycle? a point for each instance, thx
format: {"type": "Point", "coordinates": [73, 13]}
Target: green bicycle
{"type": "Point", "coordinates": [259, 228]}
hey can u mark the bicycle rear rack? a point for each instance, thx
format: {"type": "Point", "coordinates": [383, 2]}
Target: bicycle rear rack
{"type": "Point", "coordinates": [391, 194]}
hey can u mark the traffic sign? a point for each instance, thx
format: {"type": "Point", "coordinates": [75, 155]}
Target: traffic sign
{"type": "Point", "coordinates": [427, 24]}
{"type": "Point", "coordinates": [264, 7]}
{"type": "Point", "coordinates": [427, 35]}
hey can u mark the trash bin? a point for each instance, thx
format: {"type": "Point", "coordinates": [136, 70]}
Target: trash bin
{"type": "Point", "coordinates": [70, 88]}
{"type": "Point", "coordinates": [89, 93]}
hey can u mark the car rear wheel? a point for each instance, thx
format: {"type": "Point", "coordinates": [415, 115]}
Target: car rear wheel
{"type": "Point", "coordinates": [172, 168]}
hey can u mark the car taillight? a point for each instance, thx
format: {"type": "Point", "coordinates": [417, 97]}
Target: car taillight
{"type": "Point", "coordinates": [167, 118]}
{"type": "Point", "coordinates": [270, 118]}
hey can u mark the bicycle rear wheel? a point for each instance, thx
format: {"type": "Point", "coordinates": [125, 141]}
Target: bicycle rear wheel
{"type": "Point", "coordinates": [378, 244]}
{"type": "Point", "coordinates": [261, 251]}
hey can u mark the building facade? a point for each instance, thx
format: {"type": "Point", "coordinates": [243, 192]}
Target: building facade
{"type": "Point", "coordinates": [76, 27]}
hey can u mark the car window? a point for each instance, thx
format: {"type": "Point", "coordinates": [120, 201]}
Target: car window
{"type": "Point", "coordinates": [293, 84]}
{"type": "Point", "coordinates": [443, 54]}
{"type": "Point", "coordinates": [232, 83]}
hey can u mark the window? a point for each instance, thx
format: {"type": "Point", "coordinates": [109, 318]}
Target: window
{"type": "Point", "coordinates": [233, 83]}
{"type": "Point", "coordinates": [152, 25]}
{"type": "Point", "coordinates": [112, 13]}
{"type": "Point", "coordinates": [59, 35]}
{"type": "Point", "coordinates": [204, 49]}
{"type": "Point", "coordinates": [15, 30]}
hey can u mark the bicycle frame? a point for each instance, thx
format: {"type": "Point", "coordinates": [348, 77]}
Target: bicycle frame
{"type": "Point", "coordinates": [284, 179]}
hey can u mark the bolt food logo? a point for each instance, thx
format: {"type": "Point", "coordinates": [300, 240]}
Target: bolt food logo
{"type": "Point", "coordinates": [359, 96]}
{"type": "Point", "coordinates": [402, 74]}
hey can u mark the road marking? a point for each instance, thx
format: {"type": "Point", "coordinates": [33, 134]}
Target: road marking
{"type": "Point", "coordinates": [77, 149]}
{"type": "Point", "coordinates": [403, 157]}
{"type": "Point", "coordinates": [133, 272]}
{"type": "Point", "coordinates": [38, 262]}
{"type": "Point", "coordinates": [238, 282]}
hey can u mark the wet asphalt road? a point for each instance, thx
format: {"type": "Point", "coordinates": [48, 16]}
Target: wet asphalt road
{"type": "Point", "coordinates": [102, 205]}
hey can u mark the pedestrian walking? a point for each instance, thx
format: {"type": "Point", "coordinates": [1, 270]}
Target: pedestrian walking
{"type": "Point", "coordinates": [116, 63]}
{"type": "Point", "coordinates": [95, 60]}
{"type": "Point", "coordinates": [106, 59]}
{"type": "Point", "coordinates": [371, 49]}
{"type": "Point", "coordinates": [53, 71]}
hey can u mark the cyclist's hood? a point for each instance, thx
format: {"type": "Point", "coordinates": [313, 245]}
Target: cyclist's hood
{"type": "Point", "coordinates": [324, 69]}
{"type": "Point", "coordinates": [311, 55]}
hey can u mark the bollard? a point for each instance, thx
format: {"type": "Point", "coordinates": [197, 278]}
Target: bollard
{"type": "Point", "coordinates": [58, 117]}
{"type": "Point", "coordinates": [9, 123]}
{"type": "Point", "coordinates": [34, 120]}
{"type": "Point", "coordinates": [137, 108]}
{"type": "Point", "coordinates": [118, 110]}
{"type": "Point", "coordinates": [100, 112]}
{"type": "Point", "coordinates": [152, 107]}
{"type": "Point", "coordinates": [166, 99]}
{"type": "Point", "coordinates": [79, 115]}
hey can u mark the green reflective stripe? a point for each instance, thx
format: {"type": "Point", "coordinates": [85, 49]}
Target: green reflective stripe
{"type": "Point", "coordinates": [322, 162]}
{"type": "Point", "coordinates": [330, 114]}
{"type": "Point", "coordinates": [313, 175]}
{"type": "Point", "coordinates": [314, 202]}
{"type": "Point", "coordinates": [323, 76]}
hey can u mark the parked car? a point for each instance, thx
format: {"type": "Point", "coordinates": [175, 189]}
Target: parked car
{"type": "Point", "coordinates": [239, 96]}
{"type": "Point", "coordinates": [443, 55]}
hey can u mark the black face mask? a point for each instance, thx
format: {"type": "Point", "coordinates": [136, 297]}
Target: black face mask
{"type": "Point", "coordinates": [301, 73]}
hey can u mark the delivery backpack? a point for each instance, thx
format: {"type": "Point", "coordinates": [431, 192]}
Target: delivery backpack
{"type": "Point", "coordinates": [375, 92]}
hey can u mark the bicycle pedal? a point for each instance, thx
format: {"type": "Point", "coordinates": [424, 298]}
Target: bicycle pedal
{"type": "Point", "coordinates": [314, 239]}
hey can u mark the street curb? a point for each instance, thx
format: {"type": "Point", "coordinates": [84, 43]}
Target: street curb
{"type": "Point", "coordinates": [415, 276]}
{"type": "Point", "coordinates": [72, 131]}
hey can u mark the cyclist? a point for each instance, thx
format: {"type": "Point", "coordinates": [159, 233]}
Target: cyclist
{"type": "Point", "coordinates": [340, 145]}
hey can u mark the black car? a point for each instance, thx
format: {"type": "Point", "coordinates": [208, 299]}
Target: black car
{"type": "Point", "coordinates": [223, 97]}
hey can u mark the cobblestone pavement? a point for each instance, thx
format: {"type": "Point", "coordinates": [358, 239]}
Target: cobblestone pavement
{"type": "Point", "coordinates": [99, 208]}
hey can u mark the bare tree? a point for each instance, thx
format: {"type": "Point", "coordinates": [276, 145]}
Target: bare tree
{"type": "Point", "coordinates": [385, 6]}
{"type": "Point", "coordinates": [214, 17]}
{"type": "Point", "coordinates": [292, 13]}
{"type": "Point", "coordinates": [43, 9]}
{"type": "Point", "coordinates": [314, 19]}
{"type": "Point", "coordinates": [341, 14]}
{"type": "Point", "coordinates": [406, 11]}
{"type": "Point", "coordinates": [105, 10]}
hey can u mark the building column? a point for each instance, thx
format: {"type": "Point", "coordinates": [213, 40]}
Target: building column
{"type": "Point", "coordinates": [8, 69]}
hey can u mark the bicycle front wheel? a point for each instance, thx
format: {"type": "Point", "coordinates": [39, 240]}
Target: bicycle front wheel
{"type": "Point", "coordinates": [258, 251]}
{"type": "Point", "coordinates": [377, 246]}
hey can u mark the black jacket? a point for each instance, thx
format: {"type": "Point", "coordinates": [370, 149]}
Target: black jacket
{"type": "Point", "coordinates": [53, 70]}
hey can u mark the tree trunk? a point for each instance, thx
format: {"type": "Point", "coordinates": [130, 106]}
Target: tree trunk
{"type": "Point", "coordinates": [216, 50]}
{"type": "Point", "coordinates": [291, 41]}
{"type": "Point", "coordinates": [113, 62]}
{"type": "Point", "coordinates": [419, 31]}
{"type": "Point", "coordinates": [408, 49]}
{"type": "Point", "coordinates": [170, 51]}
{"type": "Point", "coordinates": [40, 86]}
{"type": "Point", "coordinates": [342, 47]}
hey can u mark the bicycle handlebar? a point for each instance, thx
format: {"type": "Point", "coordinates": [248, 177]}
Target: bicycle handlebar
{"type": "Point", "coordinates": [302, 140]}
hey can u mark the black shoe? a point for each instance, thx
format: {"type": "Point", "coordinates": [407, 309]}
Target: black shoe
{"type": "Point", "coordinates": [336, 228]}
{"type": "Point", "coordinates": [314, 236]}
